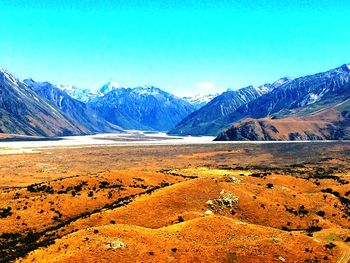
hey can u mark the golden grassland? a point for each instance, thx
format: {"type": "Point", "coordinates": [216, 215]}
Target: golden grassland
{"type": "Point", "coordinates": [185, 203]}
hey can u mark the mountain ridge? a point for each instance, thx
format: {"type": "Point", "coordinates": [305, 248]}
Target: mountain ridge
{"type": "Point", "coordinates": [145, 108]}
{"type": "Point", "coordinates": [76, 111]}
{"type": "Point", "coordinates": [24, 112]}
{"type": "Point", "coordinates": [202, 121]}
{"type": "Point", "coordinates": [302, 102]}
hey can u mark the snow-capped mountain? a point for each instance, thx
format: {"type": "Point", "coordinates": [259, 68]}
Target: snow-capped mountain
{"type": "Point", "coordinates": [315, 107]}
{"type": "Point", "coordinates": [85, 94]}
{"type": "Point", "coordinates": [147, 108]}
{"type": "Point", "coordinates": [108, 87]}
{"type": "Point", "coordinates": [300, 98]}
{"type": "Point", "coordinates": [199, 100]}
{"type": "Point", "coordinates": [81, 94]}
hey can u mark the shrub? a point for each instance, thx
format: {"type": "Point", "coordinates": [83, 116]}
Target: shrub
{"type": "Point", "coordinates": [321, 213]}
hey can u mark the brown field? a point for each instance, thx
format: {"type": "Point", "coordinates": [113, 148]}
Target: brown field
{"type": "Point", "coordinates": [280, 202]}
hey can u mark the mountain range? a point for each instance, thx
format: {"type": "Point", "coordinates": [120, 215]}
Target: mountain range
{"type": "Point", "coordinates": [43, 109]}
{"type": "Point", "coordinates": [208, 119]}
{"type": "Point", "coordinates": [76, 111]}
{"type": "Point", "coordinates": [305, 108]}
{"type": "Point", "coordinates": [142, 108]}
{"type": "Point", "coordinates": [23, 111]}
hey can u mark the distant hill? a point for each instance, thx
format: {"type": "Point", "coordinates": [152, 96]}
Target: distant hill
{"type": "Point", "coordinates": [144, 108]}
{"type": "Point", "coordinates": [307, 108]}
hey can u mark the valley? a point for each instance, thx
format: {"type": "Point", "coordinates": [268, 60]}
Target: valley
{"type": "Point", "coordinates": [207, 202]}
{"type": "Point", "coordinates": [175, 132]}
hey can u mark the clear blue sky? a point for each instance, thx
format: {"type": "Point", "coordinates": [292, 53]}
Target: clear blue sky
{"type": "Point", "coordinates": [181, 47]}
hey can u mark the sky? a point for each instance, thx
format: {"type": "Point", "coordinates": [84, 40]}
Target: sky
{"type": "Point", "coordinates": [184, 47]}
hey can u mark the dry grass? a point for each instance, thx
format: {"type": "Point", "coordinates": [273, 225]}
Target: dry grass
{"type": "Point", "coordinates": [292, 202]}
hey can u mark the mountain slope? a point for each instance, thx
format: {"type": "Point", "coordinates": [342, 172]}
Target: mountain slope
{"type": "Point", "coordinates": [201, 122]}
{"type": "Point", "coordinates": [331, 85]}
{"type": "Point", "coordinates": [76, 111]}
{"type": "Point", "coordinates": [22, 111]}
{"type": "Point", "coordinates": [308, 108]}
{"type": "Point", "coordinates": [330, 124]}
{"type": "Point", "coordinates": [146, 108]}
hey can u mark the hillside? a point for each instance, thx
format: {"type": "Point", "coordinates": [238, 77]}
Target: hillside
{"type": "Point", "coordinates": [77, 112]}
{"type": "Point", "coordinates": [22, 111]}
{"type": "Point", "coordinates": [309, 108]}
{"type": "Point", "coordinates": [329, 124]}
{"type": "Point", "coordinates": [217, 203]}
{"type": "Point", "coordinates": [205, 120]}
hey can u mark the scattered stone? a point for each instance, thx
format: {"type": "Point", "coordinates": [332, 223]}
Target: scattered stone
{"type": "Point", "coordinates": [233, 179]}
{"type": "Point", "coordinates": [222, 191]}
{"type": "Point", "coordinates": [117, 244]}
{"type": "Point", "coordinates": [208, 212]}
{"type": "Point", "coordinates": [210, 202]}
{"type": "Point", "coordinates": [227, 200]}
{"type": "Point", "coordinates": [282, 259]}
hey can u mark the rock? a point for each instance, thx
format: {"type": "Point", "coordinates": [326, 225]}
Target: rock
{"type": "Point", "coordinates": [282, 259]}
{"type": "Point", "coordinates": [233, 179]}
{"type": "Point", "coordinates": [117, 244]}
{"type": "Point", "coordinates": [229, 199]}
{"type": "Point", "coordinates": [222, 191]}
{"type": "Point", "coordinates": [210, 202]}
{"type": "Point", "coordinates": [208, 212]}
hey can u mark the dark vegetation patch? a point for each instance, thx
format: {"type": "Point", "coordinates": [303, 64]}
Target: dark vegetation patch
{"type": "Point", "coordinates": [15, 245]}
{"type": "Point", "coordinates": [5, 212]}
{"type": "Point", "coordinates": [172, 173]}
{"type": "Point", "coordinates": [343, 200]}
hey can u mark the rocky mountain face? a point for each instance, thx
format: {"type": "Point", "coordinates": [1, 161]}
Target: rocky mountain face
{"type": "Point", "coordinates": [22, 111]}
{"type": "Point", "coordinates": [307, 108]}
{"type": "Point", "coordinates": [204, 120]}
{"type": "Point", "coordinates": [145, 108]}
{"type": "Point", "coordinates": [77, 112]}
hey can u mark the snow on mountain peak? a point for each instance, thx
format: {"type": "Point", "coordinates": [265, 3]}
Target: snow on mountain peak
{"type": "Point", "coordinates": [109, 86]}
{"type": "Point", "coordinates": [114, 84]}
{"type": "Point", "coordinates": [199, 100]}
{"type": "Point", "coordinates": [347, 66]}
{"type": "Point", "coordinates": [9, 77]}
